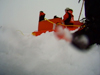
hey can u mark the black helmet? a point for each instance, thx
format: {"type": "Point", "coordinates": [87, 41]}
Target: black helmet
{"type": "Point", "coordinates": [67, 9]}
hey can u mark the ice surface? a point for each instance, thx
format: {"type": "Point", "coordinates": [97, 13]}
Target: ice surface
{"type": "Point", "coordinates": [44, 55]}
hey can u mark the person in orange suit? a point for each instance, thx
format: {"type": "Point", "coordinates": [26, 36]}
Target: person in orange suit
{"type": "Point", "coordinates": [68, 18]}
{"type": "Point", "coordinates": [41, 16]}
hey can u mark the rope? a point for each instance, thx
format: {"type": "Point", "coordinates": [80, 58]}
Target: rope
{"type": "Point", "coordinates": [81, 10]}
{"type": "Point", "coordinates": [49, 21]}
{"type": "Point", "coordinates": [61, 24]}
{"type": "Point", "coordinates": [20, 32]}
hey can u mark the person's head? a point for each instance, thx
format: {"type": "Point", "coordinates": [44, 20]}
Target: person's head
{"type": "Point", "coordinates": [69, 10]}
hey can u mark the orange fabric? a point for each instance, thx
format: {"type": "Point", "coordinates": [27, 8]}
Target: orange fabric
{"type": "Point", "coordinates": [45, 25]}
{"type": "Point", "coordinates": [66, 16]}
{"type": "Point", "coordinates": [72, 19]}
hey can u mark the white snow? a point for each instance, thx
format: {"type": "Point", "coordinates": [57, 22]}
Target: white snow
{"type": "Point", "coordinates": [44, 55]}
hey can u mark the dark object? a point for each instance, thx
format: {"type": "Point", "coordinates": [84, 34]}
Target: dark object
{"type": "Point", "coordinates": [79, 1]}
{"type": "Point", "coordinates": [42, 16]}
{"type": "Point", "coordinates": [56, 16]}
{"type": "Point", "coordinates": [92, 26]}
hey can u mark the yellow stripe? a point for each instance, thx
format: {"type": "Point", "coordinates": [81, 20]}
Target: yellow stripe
{"type": "Point", "coordinates": [49, 21]}
{"type": "Point", "coordinates": [62, 24]}
{"type": "Point", "coordinates": [33, 34]}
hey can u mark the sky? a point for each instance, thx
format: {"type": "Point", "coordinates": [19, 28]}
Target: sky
{"type": "Point", "coordinates": [24, 14]}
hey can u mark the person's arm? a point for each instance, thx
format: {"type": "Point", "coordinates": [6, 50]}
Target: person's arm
{"type": "Point", "coordinates": [65, 17]}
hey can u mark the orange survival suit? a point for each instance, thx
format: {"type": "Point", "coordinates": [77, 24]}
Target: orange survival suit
{"type": "Point", "coordinates": [41, 16]}
{"type": "Point", "coordinates": [68, 18]}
